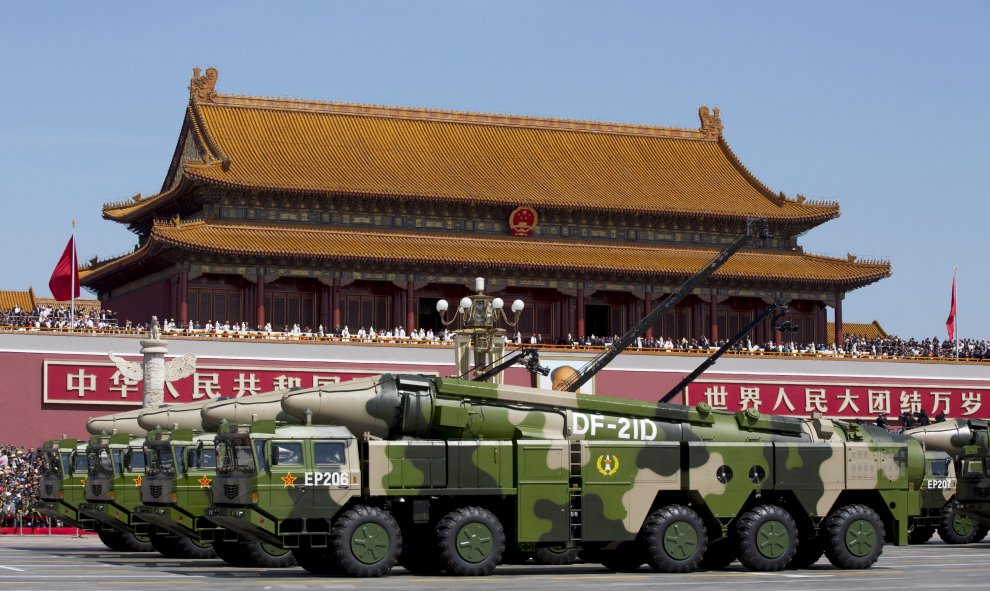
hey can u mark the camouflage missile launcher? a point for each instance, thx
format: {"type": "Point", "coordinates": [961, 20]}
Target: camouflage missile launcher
{"type": "Point", "coordinates": [468, 469]}
{"type": "Point", "coordinates": [113, 488]}
{"type": "Point", "coordinates": [175, 491]}
{"type": "Point", "coordinates": [61, 478]}
{"type": "Point", "coordinates": [965, 517]}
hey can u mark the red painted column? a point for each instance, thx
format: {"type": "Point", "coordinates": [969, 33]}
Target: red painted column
{"type": "Point", "coordinates": [184, 298]}
{"type": "Point", "coordinates": [647, 308]}
{"type": "Point", "coordinates": [713, 317]}
{"type": "Point", "coordinates": [325, 308]}
{"type": "Point", "coordinates": [580, 313]}
{"type": "Point", "coordinates": [335, 305]}
{"type": "Point", "coordinates": [840, 337]}
{"type": "Point", "coordinates": [260, 301]}
{"type": "Point", "coordinates": [410, 312]}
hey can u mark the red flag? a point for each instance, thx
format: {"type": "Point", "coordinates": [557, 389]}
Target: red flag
{"type": "Point", "coordinates": [65, 278]}
{"type": "Point", "coordinates": [950, 322]}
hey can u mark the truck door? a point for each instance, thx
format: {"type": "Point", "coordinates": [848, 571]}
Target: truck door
{"type": "Point", "coordinates": [286, 473]}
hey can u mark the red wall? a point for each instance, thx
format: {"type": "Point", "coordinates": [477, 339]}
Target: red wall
{"type": "Point", "coordinates": [139, 305]}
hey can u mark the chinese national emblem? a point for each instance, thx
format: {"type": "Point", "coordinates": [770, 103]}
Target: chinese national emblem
{"type": "Point", "coordinates": [522, 220]}
{"type": "Point", "coordinates": [204, 482]}
{"type": "Point", "coordinates": [289, 481]}
{"type": "Point", "coordinates": [608, 464]}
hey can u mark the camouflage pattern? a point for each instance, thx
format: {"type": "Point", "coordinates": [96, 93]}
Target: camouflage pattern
{"type": "Point", "coordinates": [554, 469]}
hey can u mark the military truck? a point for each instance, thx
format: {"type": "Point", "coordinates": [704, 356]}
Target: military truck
{"type": "Point", "coordinates": [463, 470]}
{"type": "Point", "coordinates": [175, 491]}
{"type": "Point", "coordinates": [965, 516]}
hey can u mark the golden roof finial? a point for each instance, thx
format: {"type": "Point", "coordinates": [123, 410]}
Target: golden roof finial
{"type": "Point", "coordinates": [203, 88]}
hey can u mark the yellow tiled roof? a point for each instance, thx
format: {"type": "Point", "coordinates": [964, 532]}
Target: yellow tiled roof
{"type": "Point", "coordinates": [23, 299]}
{"type": "Point", "coordinates": [324, 147]}
{"type": "Point", "coordinates": [539, 256]}
{"type": "Point", "coordinates": [872, 330]}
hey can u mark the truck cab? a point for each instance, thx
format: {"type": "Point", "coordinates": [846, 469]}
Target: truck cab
{"type": "Point", "coordinates": [973, 493]}
{"type": "Point", "coordinates": [64, 469]}
{"type": "Point", "coordinates": [113, 484]}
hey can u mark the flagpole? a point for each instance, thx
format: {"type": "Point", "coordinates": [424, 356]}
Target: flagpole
{"type": "Point", "coordinates": [956, 322]}
{"type": "Point", "coordinates": [72, 281]}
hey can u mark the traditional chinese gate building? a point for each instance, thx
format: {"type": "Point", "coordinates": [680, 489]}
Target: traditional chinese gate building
{"type": "Point", "coordinates": [318, 213]}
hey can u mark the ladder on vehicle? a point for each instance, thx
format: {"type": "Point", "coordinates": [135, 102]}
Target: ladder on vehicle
{"type": "Point", "coordinates": [575, 491]}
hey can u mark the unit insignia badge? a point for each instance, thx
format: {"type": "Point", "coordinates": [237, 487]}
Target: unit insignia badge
{"type": "Point", "coordinates": [608, 464]}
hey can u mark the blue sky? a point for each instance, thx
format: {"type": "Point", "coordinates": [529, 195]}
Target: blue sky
{"type": "Point", "coordinates": [878, 105]}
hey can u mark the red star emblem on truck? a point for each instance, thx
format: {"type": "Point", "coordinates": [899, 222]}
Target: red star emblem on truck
{"type": "Point", "coordinates": [204, 482]}
{"type": "Point", "coordinates": [289, 480]}
{"type": "Point", "coordinates": [138, 481]}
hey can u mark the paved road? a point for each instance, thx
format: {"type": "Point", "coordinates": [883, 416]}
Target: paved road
{"type": "Point", "coordinates": [77, 564]}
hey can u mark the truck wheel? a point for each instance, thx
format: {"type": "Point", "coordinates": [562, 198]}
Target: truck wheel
{"type": "Point", "coordinates": [981, 532]}
{"type": "Point", "coordinates": [719, 554]}
{"type": "Point", "coordinates": [676, 539]}
{"type": "Point", "coordinates": [165, 545]}
{"type": "Point", "coordinates": [920, 534]}
{"type": "Point", "coordinates": [112, 539]}
{"type": "Point", "coordinates": [316, 561]}
{"type": "Point", "coordinates": [471, 541]}
{"type": "Point", "coordinates": [231, 552]}
{"type": "Point", "coordinates": [266, 555]}
{"type": "Point", "coordinates": [129, 542]}
{"type": "Point", "coordinates": [627, 558]}
{"type": "Point", "coordinates": [956, 528]}
{"type": "Point", "coordinates": [365, 542]}
{"type": "Point", "coordinates": [768, 538]}
{"type": "Point", "coordinates": [809, 551]}
{"type": "Point", "coordinates": [555, 555]}
{"type": "Point", "coordinates": [854, 537]}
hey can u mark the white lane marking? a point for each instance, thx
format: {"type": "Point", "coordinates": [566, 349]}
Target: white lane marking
{"type": "Point", "coordinates": [20, 570]}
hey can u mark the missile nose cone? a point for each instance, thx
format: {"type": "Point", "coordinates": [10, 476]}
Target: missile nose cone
{"type": "Point", "coordinates": [362, 405]}
{"type": "Point", "coordinates": [122, 422]}
{"type": "Point", "coordinates": [186, 416]}
{"type": "Point", "coordinates": [244, 410]}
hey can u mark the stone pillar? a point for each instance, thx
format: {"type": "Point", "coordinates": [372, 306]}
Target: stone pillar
{"type": "Point", "coordinates": [410, 312]}
{"type": "Point", "coordinates": [260, 301]}
{"type": "Point", "coordinates": [335, 303]}
{"type": "Point", "coordinates": [713, 317]}
{"type": "Point", "coordinates": [840, 337]}
{"type": "Point", "coordinates": [580, 313]}
{"type": "Point", "coordinates": [184, 298]}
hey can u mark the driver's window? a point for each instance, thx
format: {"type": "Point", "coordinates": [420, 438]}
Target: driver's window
{"type": "Point", "coordinates": [287, 453]}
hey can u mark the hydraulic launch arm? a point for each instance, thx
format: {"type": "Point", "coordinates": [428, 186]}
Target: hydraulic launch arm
{"type": "Point", "coordinates": [620, 345]}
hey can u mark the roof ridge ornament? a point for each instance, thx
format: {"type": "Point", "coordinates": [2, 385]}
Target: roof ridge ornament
{"type": "Point", "coordinates": [203, 88]}
{"type": "Point", "coordinates": [711, 123]}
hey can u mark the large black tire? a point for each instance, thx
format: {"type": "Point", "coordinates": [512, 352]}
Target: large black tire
{"type": "Point", "coordinates": [920, 534]}
{"type": "Point", "coordinates": [627, 558]}
{"type": "Point", "coordinates": [719, 554]}
{"type": "Point", "coordinates": [956, 527]}
{"type": "Point", "coordinates": [316, 561]}
{"type": "Point", "coordinates": [809, 551]}
{"type": "Point", "coordinates": [471, 541]}
{"type": "Point", "coordinates": [854, 537]}
{"type": "Point", "coordinates": [676, 539]}
{"type": "Point", "coordinates": [113, 539]}
{"type": "Point", "coordinates": [231, 552]}
{"type": "Point", "coordinates": [267, 556]}
{"type": "Point", "coordinates": [768, 538]}
{"type": "Point", "coordinates": [555, 555]}
{"type": "Point", "coordinates": [173, 546]}
{"type": "Point", "coordinates": [365, 542]}
{"type": "Point", "coordinates": [125, 541]}
{"type": "Point", "coordinates": [981, 532]}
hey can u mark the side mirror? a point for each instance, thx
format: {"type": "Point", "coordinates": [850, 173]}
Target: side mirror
{"type": "Point", "coordinates": [192, 458]}
{"type": "Point", "coordinates": [273, 456]}
{"type": "Point", "coordinates": [127, 459]}
{"type": "Point", "coordinates": [72, 462]}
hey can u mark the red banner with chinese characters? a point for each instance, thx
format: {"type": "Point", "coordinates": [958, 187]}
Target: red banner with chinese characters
{"type": "Point", "coordinates": [85, 382]}
{"type": "Point", "coordinates": [842, 400]}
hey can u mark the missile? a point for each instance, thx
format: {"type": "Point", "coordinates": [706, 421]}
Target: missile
{"type": "Point", "coordinates": [952, 435]}
{"type": "Point", "coordinates": [245, 410]}
{"type": "Point", "coordinates": [121, 422]}
{"type": "Point", "coordinates": [174, 416]}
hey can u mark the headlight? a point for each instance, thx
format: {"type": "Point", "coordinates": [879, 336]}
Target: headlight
{"type": "Point", "coordinates": [174, 497]}
{"type": "Point", "coordinates": [253, 498]}
{"type": "Point", "coordinates": [61, 494]}
{"type": "Point", "coordinates": [113, 494]}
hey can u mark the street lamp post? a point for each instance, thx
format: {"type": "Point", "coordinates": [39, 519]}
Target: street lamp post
{"type": "Point", "coordinates": [479, 316]}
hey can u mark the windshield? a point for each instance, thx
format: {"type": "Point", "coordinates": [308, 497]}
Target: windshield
{"type": "Point", "coordinates": [81, 464]}
{"type": "Point", "coordinates": [201, 457]}
{"type": "Point", "coordinates": [235, 455]}
{"type": "Point", "coordinates": [51, 463]}
{"type": "Point", "coordinates": [160, 459]}
{"type": "Point", "coordinates": [100, 461]}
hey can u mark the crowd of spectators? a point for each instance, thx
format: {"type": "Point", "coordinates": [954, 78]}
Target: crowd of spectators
{"type": "Point", "coordinates": [853, 345]}
{"type": "Point", "coordinates": [18, 485]}
{"type": "Point", "coordinates": [52, 317]}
